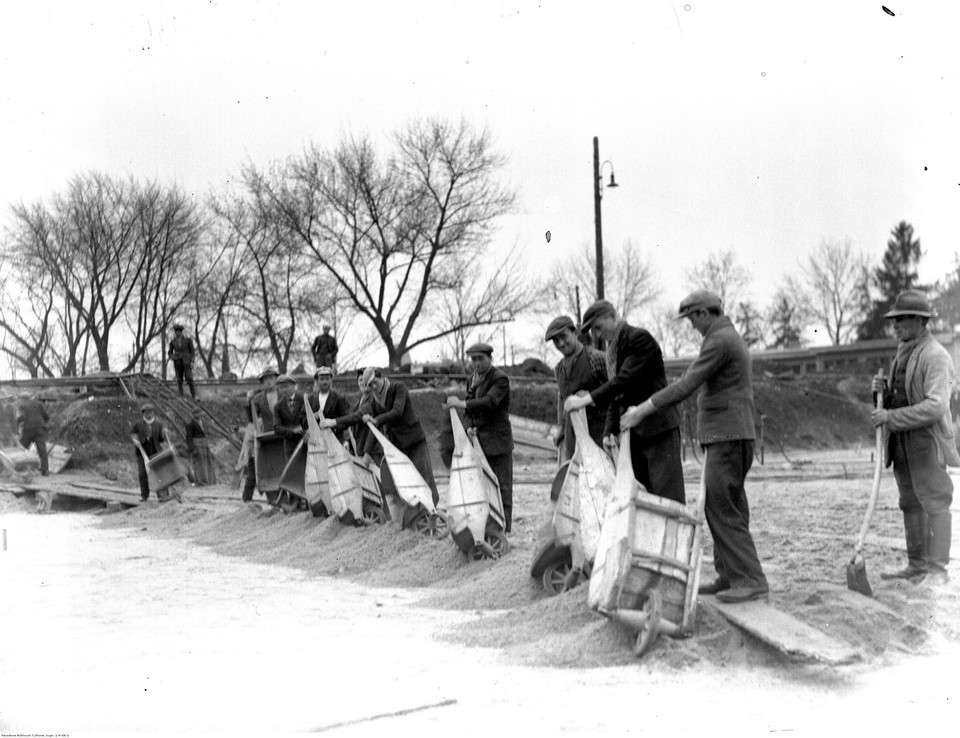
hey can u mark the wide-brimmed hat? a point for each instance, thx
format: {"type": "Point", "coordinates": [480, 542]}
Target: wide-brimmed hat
{"type": "Point", "coordinates": [480, 348]}
{"type": "Point", "coordinates": [699, 300]}
{"type": "Point", "coordinates": [596, 310]}
{"type": "Point", "coordinates": [558, 326]}
{"type": "Point", "coordinates": [911, 302]}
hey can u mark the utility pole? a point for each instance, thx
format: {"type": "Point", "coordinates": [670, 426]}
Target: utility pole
{"type": "Point", "coordinates": [596, 215]}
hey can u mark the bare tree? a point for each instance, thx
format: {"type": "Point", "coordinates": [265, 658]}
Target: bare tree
{"type": "Point", "coordinates": [676, 337]}
{"type": "Point", "coordinates": [832, 276]}
{"type": "Point", "coordinates": [27, 321]}
{"type": "Point", "coordinates": [390, 232]}
{"type": "Point", "coordinates": [788, 316]}
{"type": "Point", "coordinates": [630, 282]}
{"type": "Point", "coordinates": [720, 273]}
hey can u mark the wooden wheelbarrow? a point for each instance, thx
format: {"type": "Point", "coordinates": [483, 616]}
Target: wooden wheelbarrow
{"type": "Point", "coordinates": [474, 506]}
{"type": "Point", "coordinates": [410, 486]}
{"type": "Point", "coordinates": [355, 496]}
{"type": "Point", "coordinates": [647, 568]}
{"type": "Point", "coordinates": [306, 474]}
{"type": "Point", "coordinates": [553, 560]}
{"type": "Point", "coordinates": [165, 474]}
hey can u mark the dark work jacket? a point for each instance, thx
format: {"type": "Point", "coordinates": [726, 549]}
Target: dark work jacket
{"type": "Point", "coordinates": [580, 374]}
{"type": "Point", "coordinates": [335, 407]}
{"type": "Point", "coordinates": [488, 410]}
{"type": "Point", "coordinates": [640, 373]}
{"type": "Point", "coordinates": [181, 349]}
{"type": "Point", "coordinates": [355, 420]}
{"type": "Point", "coordinates": [264, 410]}
{"type": "Point", "coordinates": [32, 415]}
{"type": "Point", "coordinates": [194, 430]}
{"type": "Point", "coordinates": [150, 435]}
{"type": "Point", "coordinates": [289, 416]}
{"type": "Point", "coordinates": [397, 419]}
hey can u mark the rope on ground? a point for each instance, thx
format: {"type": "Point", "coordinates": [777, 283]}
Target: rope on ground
{"type": "Point", "coordinates": [398, 713]}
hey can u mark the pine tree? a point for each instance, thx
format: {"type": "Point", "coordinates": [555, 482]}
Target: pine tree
{"type": "Point", "coordinates": [896, 273]}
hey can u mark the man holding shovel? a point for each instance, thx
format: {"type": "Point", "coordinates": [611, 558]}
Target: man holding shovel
{"type": "Point", "coordinates": [921, 443]}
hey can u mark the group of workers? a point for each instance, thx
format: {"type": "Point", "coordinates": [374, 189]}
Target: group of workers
{"type": "Point", "coordinates": [624, 389]}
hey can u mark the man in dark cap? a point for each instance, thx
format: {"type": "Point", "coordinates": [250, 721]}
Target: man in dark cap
{"type": "Point", "coordinates": [289, 414]}
{"type": "Point", "coordinates": [393, 413]}
{"type": "Point", "coordinates": [325, 349]}
{"type": "Point", "coordinates": [582, 368]}
{"type": "Point", "coordinates": [149, 436]}
{"type": "Point", "coordinates": [487, 411]}
{"type": "Point", "coordinates": [325, 399]}
{"type": "Point", "coordinates": [725, 423]}
{"type": "Point", "coordinates": [635, 370]}
{"type": "Point", "coordinates": [32, 418]}
{"type": "Point", "coordinates": [181, 352]}
{"type": "Point", "coordinates": [260, 406]}
{"type": "Point", "coordinates": [917, 415]}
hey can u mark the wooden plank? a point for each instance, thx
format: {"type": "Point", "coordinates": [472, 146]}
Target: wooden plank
{"type": "Point", "coordinates": [784, 632]}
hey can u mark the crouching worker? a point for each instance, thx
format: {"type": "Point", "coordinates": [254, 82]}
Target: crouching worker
{"type": "Point", "coordinates": [148, 436]}
{"type": "Point", "coordinates": [921, 442]}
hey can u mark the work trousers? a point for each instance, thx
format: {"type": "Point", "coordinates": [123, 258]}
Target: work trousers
{"type": "Point", "coordinates": [728, 514]}
{"type": "Point", "coordinates": [184, 371]}
{"type": "Point", "coordinates": [657, 464]}
{"type": "Point", "coordinates": [142, 476]}
{"type": "Point", "coordinates": [920, 473]}
{"type": "Point", "coordinates": [38, 437]}
{"type": "Point", "coordinates": [502, 466]}
{"type": "Point", "coordinates": [250, 483]}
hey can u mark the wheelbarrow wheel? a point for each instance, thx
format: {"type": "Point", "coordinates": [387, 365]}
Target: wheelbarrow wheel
{"type": "Point", "coordinates": [498, 542]}
{"type": "Point", "coordinates": [287, 502]}
{"type": "Point", "coordinates": [652, 607]}
{"type": "Point", "coordinates": [432, 525]}
{"type": "Point", "coordinates": [374, 515]}
{"type": "Point", "coordinates": [575, 577]}
{"type": "Point", "coordinates": [555, 576]}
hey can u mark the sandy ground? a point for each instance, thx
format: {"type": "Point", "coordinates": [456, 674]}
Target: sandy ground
{"type": "Point", "coordinates": [214, 616]}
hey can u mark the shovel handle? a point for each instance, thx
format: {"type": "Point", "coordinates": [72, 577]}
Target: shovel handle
{"type": "Point", "coordinates": [877, 470]}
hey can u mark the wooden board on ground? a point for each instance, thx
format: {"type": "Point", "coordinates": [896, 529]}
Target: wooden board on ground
{"type": "Point", "coordinates": [784, 632]}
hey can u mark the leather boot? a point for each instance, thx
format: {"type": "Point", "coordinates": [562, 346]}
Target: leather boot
{"type": "Point", "coordinates": [939, 531]}
{"type": "Point", "coordinates": [915, 531]}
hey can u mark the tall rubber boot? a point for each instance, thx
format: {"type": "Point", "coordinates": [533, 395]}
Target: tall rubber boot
{"type": "Point", "coordinates": [939, 531]}
{"type": "Point", "coordinates": [915, 531]}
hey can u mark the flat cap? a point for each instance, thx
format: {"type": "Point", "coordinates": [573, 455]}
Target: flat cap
{"type": "Point", "coordinates": [597, 310]}
{"type": "Point", "coordinates": [323, 371]}
{"type": "Point", "coordinates": [268, 372]}
{"type": "Point", "coordinates": [558, 326]}
{"type": "Point", "coordinates": [286, 379]}
{"type": "Point", "coordinates": [699, 300]}
{"type": "Point", "coordinates": [911, 302]}
{"type": "Point", "coordinates": [147, 406]}
{"type": "Point", "coordinates": [177, 327]}
{"type": "Point", "coordinates": [480, 348]}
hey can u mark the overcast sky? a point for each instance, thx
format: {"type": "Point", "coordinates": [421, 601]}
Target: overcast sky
{"type": "Point", "coordinates": [761, 126]}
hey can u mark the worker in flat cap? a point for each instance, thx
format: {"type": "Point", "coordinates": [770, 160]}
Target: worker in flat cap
{"type": "Point", "coordinates": [289, 414]}
{"type": "Point", "coordinates": [32, 420]}
{"type": "Point", "coordinates": [725, 421]}
{"type": "Point", "coordinates": [487, 414]}
{"type": "Point", "coordinates": [181, 353]}
{"type": "Point", "coordinates": [259, 408]}
{"type": "Point", "coordinates": [150, 437]}
{"type": "Point", "coordinates": [635, 371]}
{"type": "Point", "coordinates": [921, 439]}
{"type": "Point", "coordinates": [582, 369]}
{"type": "Point", "coordinates": [393, 414]}
{"type": "Point", "coordinates": [325, 401]}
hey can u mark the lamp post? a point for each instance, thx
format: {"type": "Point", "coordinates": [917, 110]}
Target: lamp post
{"type": "Point", "coordinates": [597, 196]}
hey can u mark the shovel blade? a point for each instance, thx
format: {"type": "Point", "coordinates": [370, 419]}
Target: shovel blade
{"type": "Point", "coordinates": [857, 576]}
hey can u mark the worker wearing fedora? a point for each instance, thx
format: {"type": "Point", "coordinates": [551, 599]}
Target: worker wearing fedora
{"type": "Point", "coordinates": [921, 443]}
{"type": "Point", "coordinates": [181, 352]}
{"type": "Point", "coordinates": [726, 429]}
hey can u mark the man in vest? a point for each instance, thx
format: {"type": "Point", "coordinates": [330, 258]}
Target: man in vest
{"type": "Point", "coordinates": [181, 352]}
{"type": "Point", "coordinates": [149, 435]}
{"type": "Point", "coordinates": [917, 415]}
{"type": "Point", "coordinates": [635, 370]}
{"type": "Point", "coordinates": [723, 374]}
{"type": "Point", "coordinates": [487, 411]}
{"type": "Point", "coordinates": [582, 368]}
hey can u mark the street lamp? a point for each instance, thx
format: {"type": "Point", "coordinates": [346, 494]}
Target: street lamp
{"type": "Point", "coordinates": [597, 188]}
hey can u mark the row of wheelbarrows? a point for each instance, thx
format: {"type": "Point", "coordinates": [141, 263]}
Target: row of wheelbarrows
{"type": "Point", "coordinates": [641, 553]}
{"type": "Point", "coordinates": [325, 477]}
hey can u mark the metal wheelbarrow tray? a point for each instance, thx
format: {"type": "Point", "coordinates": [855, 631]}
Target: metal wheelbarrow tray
{"type": "Point", "coordinates": [474, 506]}
{"type": "Point", "coordinates": [647, 569]}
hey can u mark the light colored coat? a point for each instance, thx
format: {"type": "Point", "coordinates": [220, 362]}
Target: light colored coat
{"type": "Point", "coordinates": [723, 373]}
{"type": "Point", "coordinates": [930, 378]}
